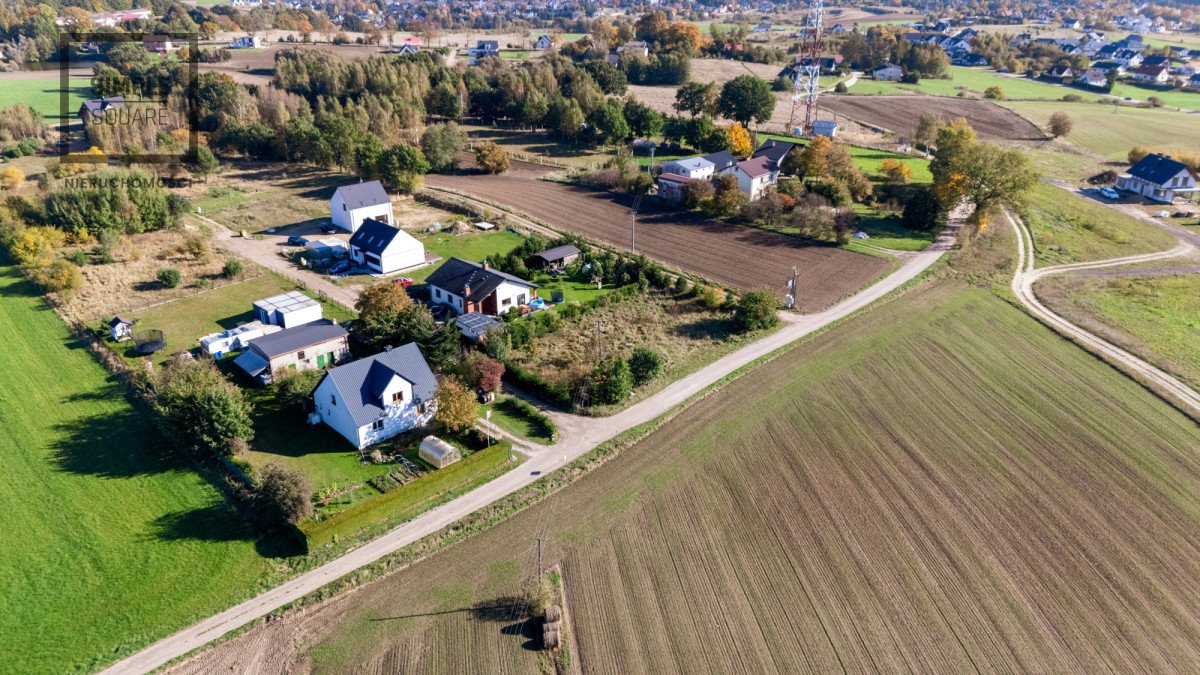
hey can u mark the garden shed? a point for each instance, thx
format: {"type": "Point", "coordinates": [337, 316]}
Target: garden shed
{"type": "Point", "coordinates": [287, 309]}
{"type": "Point", "coordinates": [438, 453]}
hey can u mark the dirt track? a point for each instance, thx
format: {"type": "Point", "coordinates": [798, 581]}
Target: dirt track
{"type": "Point", "coordinates": [734, 255]}
{"type": "Point", "coordinates": [900, 113]}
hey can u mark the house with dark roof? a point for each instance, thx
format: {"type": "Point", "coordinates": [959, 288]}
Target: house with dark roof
{"type": "Point", "coordinates": [473, 287]}
{"type": "Point", "coordinates": [722, 161]}
{"type": "Point", "coordinates": [352, 204]}
{"type": "Point", "coordinates": [1159, 178]}
{"type": "Point", "coordinates": [556, 258]}
{"type": "Point", "coordinates": [372, 399]}
{"type": "Point", "coordinates": [98, 106]}
{"type": "Point", "coordinates": [120, 329]}
{"type": "Point", "coordinates": [385, 249]}
{"type": "Point", "coordinates": [1151, 73]}
{"type": "Point", "coordinates": [543, 42]}
{"type": "Point", "coordinates": [317, 345]}
{"type": "Point", "coordinates": [775, 151]}
{"type": "Point", "coordinates": [484, 48]}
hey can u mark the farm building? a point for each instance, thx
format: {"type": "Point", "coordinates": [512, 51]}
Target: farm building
{"type": "Point", "coordinates": [888, 72]}
{"type": "Point", "coordinates": [696, 168]}
{"type": "Point", "coordinates": [287, 309]}
{"type": "Point", "coordinates": [385, 249]}
{"type": "Point", "coordinates": [352, 204]}
{"type": "Point", "coordinates": [473, 287]}
{"type": "Point", "coordinates": [825, 128]}
{"type": "Point", "coordinates": [372, 399]}
{"type": "Point", "coordinates": [159, 44]}
{"type": "Point", "coordinates": [438, 453]}
{"type": "Point", "coordinates": [321, 344]}
{"type": "Point", "coordinates": [670, 187]}
{"type": "Point", "coordinates": [1159, 178]}
{"type": "Point", "coordinates": [557, 257]}
{"type": "Point", "coordinates": [120, 329]}
{"type": "Point", "coordinates": [246, 42]}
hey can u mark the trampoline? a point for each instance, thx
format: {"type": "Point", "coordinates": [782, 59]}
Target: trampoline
{"type": "Point", "coordinates": [147, 342]}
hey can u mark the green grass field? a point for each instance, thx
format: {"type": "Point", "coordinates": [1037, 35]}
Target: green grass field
{"type": "Point", "coordinates": [110, 539]}
{"type": "Point", "coordinates": [1171, 98]}
{"type": "Point", "coordinates": [43, 94]}
{"type": "Point", "coordinates": [1111, 131]}
{"type": "Point", "coordinates": [509, 417]}
{"type": "Point", "coordinates": [975, 80]}
{"type": "Point", "coordinates": [473, 246]}
{"type": "Point", "coordinates": [1068, 228]}
{"type": "Point", "coordinates": [186, 320]}
{"type": "Point", "coordinates": [1156, 317]}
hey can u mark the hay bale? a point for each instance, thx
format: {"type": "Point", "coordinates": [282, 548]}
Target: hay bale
{"type": "Point", "coordinates": [551, 639]}
{"type": "Point", "coordinates": [553, 614]}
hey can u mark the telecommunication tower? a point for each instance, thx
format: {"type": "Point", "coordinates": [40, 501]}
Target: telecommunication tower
{"type": "Point", "coordinates": [807, 83]}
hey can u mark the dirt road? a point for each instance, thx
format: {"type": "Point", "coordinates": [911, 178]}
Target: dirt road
{"type": "Point", "coordinates": [1160, 381]}
{"type": "Point", "coordinates": [579, 435]}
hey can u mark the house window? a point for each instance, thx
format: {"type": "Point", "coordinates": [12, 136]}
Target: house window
{"type": "Point", "coordinates": [333, 400]}
{"type": "Point", "coordinates": [343, 207]}
{"type": "Point", "coordinates": [398, 397]}
{"type": "Point", "coordinates": [300, 355]}
{"type": "Point", "coordinates": [506, 302]}
{"type": "Point", "coordinates": [377, 425]}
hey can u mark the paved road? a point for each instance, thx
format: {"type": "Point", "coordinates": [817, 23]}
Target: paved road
{"type": "Point", "coordinates": [579, 435]}
{"type": "Point", "coordinates": [1022, 286]}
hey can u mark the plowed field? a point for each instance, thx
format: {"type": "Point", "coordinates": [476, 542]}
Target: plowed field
{"type": "Point", "coordinates": [900, 114]}
{"type": "Point", "coordinates": [938, 485]}
{"type": "Point", "coordinates": [733, 255]}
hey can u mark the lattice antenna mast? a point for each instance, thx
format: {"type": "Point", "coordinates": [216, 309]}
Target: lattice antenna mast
{"type": "Point", "coordinates": [808, 72]}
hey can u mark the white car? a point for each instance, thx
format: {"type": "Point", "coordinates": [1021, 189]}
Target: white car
{"type": "Point", "coordinates": [1109, 193]}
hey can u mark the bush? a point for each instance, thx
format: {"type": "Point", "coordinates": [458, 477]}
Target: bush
{"type": "Point", "coordinates": [644, 365]}
{"type": "Point", "coordinates": [840, 88]}
{"type": "Point", "coordinates": [756, 311]}
{"type": "Point", "coordinates": [994, 93]}
{"type": "Point", "coordinates": [79, 257]}
{"type": "Point", "coordinates": [491, 158]}
{"type": "Point", "coordinates": [293, 388]}
{"type": "Point", "coordinates": [200, 407]}
{"type": "Point", "coordinates": [712, 297]}
{"type": "Point", "coordinates": [169, 277]}
{"type": "Point", "coordinates": [610, 382]}
{"type": "Point", "coordinates": [834, 190]}
{"type": "Point", "coordinates": [923, 211]}
{"type": "Point", "coordinates": [548, 427]}
{"type": "Point", "coordinates": [61, 277]}
{"type": "Point", "coordinates": [680, 286]}
{"type": "Point", "coordinates": [484, 373]}
{"type": "Point", "coordinates": [456, 411]}
{"type": "Point", "coordinates": [233, 268]}
{"type": "Point", "coordinates": [1155, 102]}
{"type": "Point", "coordinates": [696, 193]}
{"type": "Point", "coordinates": [282, 496]}
{"type": "Point", "coordinates": [1072, 98]}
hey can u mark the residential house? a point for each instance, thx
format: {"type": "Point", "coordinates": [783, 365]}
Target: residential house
{"type": "Point", "coordinates": [635, 47]}
{"type": "Point", "coordinates": [1109, 66]}
{"type": "Point", "coordinates": [755, 175]}
{"type": "Point", "coordinates": [722, 161]}
{"type": "Point", "coordinates": [317, 345]}
{"type": "Point", "coordinates": [352, 204]}
{"type": "Point", "coordinates": [1159, 178]}
{"type": "Point", "coordinates": [690, 167]}
{"type": "Point", "coordinates": [889, 72]}
{"type": "Point", "coordinates": [556, 258]}
{"type": "Point", "coordinates": [246, 42]}
{"type": "Point", "coordinates": [97, 107]}
{"type": "Point", "coordinates": [1194, 80]}
{"type": "Point", "coordinates": [1156, 60]}
{"type": "Point", "coordinates": [825, 64]}
{"type": "Point", "coordinates": [1071, 23]}
{"type": "Point", "coordinates": [825, 128]}
{"type": "Point", "coordinates": [385, 249]}
{"type": "Point", "coordinates": [775, 151]}
{"type": "Point", "coordinates": [1153, 74]}
{"type": "Point", "coordinates": [373, 399]}
{"type": "Point", "coordinates": [670, 187]}
{"type": "Point", "coordinates": [473, 287]}
{"type": "Point", "coordinates": [287, 309]}
{"type": "Point", "coordinates": [405, 50]}
{"type": "Point", "coordinates": [159, 44]}
{"type": "Point", "coordinates": [1127, 58]}
{"type": "Point", "coordinates": [484, 48]}
{"type": "Point", "coordinates": [970, 60]}
{"type": "Point", "coordinates": [1061, 73]}
{"type": "Point", "coordinates": [543, 42]}
{"type": "Point", "coordinates": [1095, 77]}
{"type": "Point", "coordinates": [120, 329]}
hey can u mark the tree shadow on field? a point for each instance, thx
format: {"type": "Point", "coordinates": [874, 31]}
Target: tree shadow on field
{"type": "Point", "coordinates": [221, 522]}
{"type": "Point", "coordinates": [115, 444]}
{"type": "Point", "coordinates": [706, 329]}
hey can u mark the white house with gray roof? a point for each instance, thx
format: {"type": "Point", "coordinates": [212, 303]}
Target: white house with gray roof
{"type": "Point", "coordinates": [695, 168]}
{"type": "Point", "coordinates": [385, 249]}
{"type": "Point", "coordinates": [352, 204]}
{"type": "Point", "coordinates": [373, 399]}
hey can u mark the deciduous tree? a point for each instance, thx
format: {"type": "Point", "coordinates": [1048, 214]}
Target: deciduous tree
{"type": "Point", "coordinates": [456, 411]}
{"type": "Point", "coordinates": [746, 99]}
{"type": "Point", "coordinates": [1060, 124]}
{"type": "Point", "coordinates": [282, 495]}
{"type": "Point", "coordinates": [491, 158]}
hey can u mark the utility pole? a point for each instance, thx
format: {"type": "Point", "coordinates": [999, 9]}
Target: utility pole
{"type": "Point", "coordinates": [539, 561]}
{"type": "Point", "coordinates": [790, 297]}
{"type": "Point", "coordinates": [637, 200]}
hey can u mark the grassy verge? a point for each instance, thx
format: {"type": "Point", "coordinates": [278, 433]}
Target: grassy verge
{"type": "Point", "coordinates": [1068, 228]}
{"type": "Point", "coordinates": [520, 419]}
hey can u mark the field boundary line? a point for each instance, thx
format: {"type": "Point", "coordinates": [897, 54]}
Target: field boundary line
{"type": "Point", "coordinates": [1156, 380]}
{"type": "Point", "coordinates": [214, 287]}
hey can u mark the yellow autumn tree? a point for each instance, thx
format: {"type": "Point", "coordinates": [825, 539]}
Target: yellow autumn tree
{"type": "Point", "coordinates": [34, 246]}
{"type": "Point", "coordinates": [895, 170]}
{"type": "Point", "coordinates": [739, 140]}
{"type": "Point", "coordinates": [12, 177]}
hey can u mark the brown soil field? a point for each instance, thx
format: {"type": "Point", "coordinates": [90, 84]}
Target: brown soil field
{"type": "Point", "coordinates": [932, 486]}
{"type": "Point", "coordinates": [733, 255]}
{"type": "Point", "coordinates": [900, 113]}
{"type": "Point", "coordinates": [723, 70]}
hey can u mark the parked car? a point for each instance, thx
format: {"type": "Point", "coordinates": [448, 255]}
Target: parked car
{"type": "Point", "coordinates": [341, 267]}
{"type": "Point", "coordinates": [1163, 214]}
{"type": "Point", "coordinates": [1109, 193]}
{"type": "Point", "coordinates": [1181, 214]}
{"type": "Point", "coordinates": [404, 281]}
{"type": "Point", "coordinates": [295, 240]}
{"type": "Point", "coordinates": [329, 229]}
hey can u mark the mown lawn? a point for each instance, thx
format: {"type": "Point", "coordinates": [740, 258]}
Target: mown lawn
{"type": "Point", "coordinates": [511, 418]}
{"type": "Point", "coordinates": [1068, 228]}
{"type": "Point", "coordinates": [1111, 131]}
{"type": "Point", "coordinates": [974, 80]}
{"type": "Point", "coordinates": [1171, 97]}
{"type": "Point", "coordinates": [474, 246]}
{"type": "Point", "coordinates": [43, 94]}
{"type": "Point", "coordinates": [186, 320]}
{"type": "Point", "coordinates": [110, 539]}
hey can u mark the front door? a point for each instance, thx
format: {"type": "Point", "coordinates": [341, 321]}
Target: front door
{"type": "Point", "coordinates": [320, 360]}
